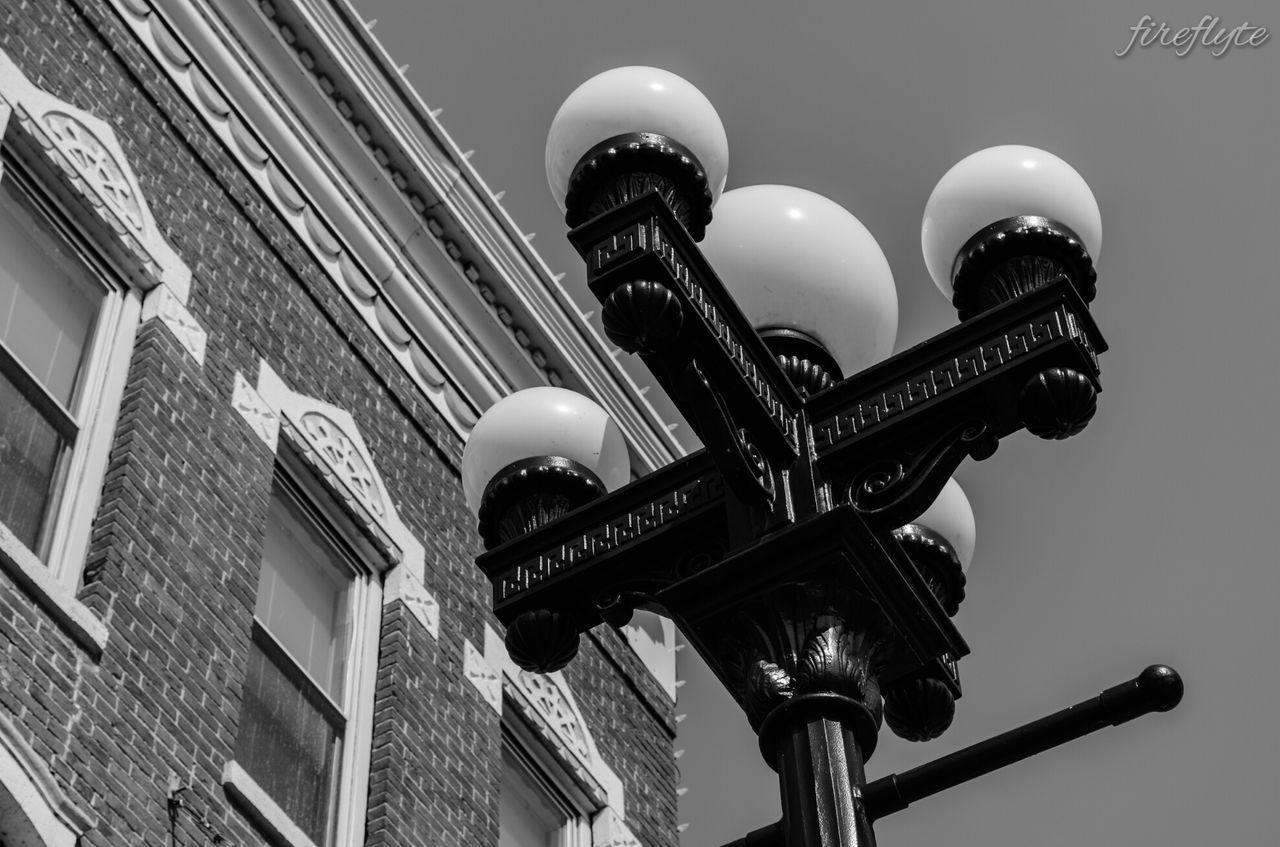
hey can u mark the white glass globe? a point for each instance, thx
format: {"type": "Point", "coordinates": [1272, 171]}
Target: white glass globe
{"type": "Point", "coordinates": [543, 421]}
{"type": "Point", "coordinates": [998, 183]}
{"type": "Point", "coordinates": [951, 516]}
{"type": "Point", "coordinates": [635, 99]}
{"type": "Point", "coordinates": [795, 259]}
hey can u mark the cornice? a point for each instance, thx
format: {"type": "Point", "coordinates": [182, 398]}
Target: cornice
{"type": "Point", "coordinates": [307, 102]}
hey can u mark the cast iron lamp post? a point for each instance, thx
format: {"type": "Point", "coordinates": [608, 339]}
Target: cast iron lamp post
{"type": "Point", "coordinates": [814, 552]}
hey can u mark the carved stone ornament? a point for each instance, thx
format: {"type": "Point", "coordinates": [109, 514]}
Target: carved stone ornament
{"type": "Point", "coordinates": [96, 165]}
{"type": "Point", "coordinates": [344, 457]}
{"type": "Point", "coordinates": [482, 675]}
{"type": "Point", "coordinates": [546, 703]}
{"type": "Point", "coordinates": [255, 411]}
{"type": "Point", "coordinates": [163, 304]}
{"type": "Point", "coordinates": [76, 155]}
{"type": "Point", "coordinates": [419, 602]}
{"type": "Point", "coordinates": [552, 702]}
{"type": "Point", "coordinates": [328, 439]}
{"type": "Point", "coordinates": [609, 830]}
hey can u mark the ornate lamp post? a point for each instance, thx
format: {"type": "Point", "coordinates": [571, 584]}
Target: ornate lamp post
{"type": "Point", "coordinates": [814, 552]}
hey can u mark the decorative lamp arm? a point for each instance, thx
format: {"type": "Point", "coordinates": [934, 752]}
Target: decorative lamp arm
{"type": "Point", "coordinates": [1157, 689]}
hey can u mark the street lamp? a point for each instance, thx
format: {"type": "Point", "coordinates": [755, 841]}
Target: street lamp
{"type": "Point", "coordinates": [814, 552]}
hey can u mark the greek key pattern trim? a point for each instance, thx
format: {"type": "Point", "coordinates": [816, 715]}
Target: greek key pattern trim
{"type": "Point", "coordinates": [946, 376]}
{"type": "Point", "coordinates": [612, 535]}
{"type": "Point", "coordinates": [649, 236]}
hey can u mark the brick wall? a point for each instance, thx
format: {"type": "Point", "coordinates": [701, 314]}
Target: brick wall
{"type": "Point", "coordinates": [176, 545]}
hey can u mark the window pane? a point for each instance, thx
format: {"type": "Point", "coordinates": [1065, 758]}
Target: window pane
{"type": "Point", "coordinates": [302, 595]}
{"type": "Point", "coordinates": [527, 814]}
{"type": "Point", "coordinates": [29, 453]}
{"type": "Point", "coordinates": [47, 299]}
{"type": "Point", "coordinates": [286, 744]}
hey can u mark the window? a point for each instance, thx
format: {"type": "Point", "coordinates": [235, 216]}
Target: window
{"type": "Point", "coordinates": [533, 809]}
{"type": "Point", "coordinates": [302, 682]}
{"type": "Point", "coordinates": [62, 320]}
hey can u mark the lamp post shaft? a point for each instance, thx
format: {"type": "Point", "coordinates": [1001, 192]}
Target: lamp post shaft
{"type": "Point", "coordinates": [820, 774]}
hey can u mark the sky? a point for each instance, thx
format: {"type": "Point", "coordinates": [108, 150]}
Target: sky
{"type": "Point", "coordinates": [1152, 536]}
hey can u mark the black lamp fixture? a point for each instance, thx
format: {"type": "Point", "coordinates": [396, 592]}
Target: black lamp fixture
{"type": "Point", "coordinates": [815, 551]}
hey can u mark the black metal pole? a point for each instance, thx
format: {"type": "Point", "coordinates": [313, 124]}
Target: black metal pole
{"type": "Point", "coordinates": [817, 742]}
{"type": "Point", "coordinates": [819, 770]}
{"type": "Point", "coordinates": [1156, 689]}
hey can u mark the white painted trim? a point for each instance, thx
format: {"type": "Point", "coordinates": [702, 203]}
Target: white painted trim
{"type": "Point", "coordinates": [258, 803]}
{"type": "Point", "coordinates": [96, 406]}
{"type": "Point", "coordinates": [162, 303]}
{"type": "Point", "coordinates": [332, 441]}
{"type": "Point", "coordinates": [402, 585]}
{"type": "Point", "coordinates": [264, 422]}
{"type": "Point", "coordinates": [76, 160]}
{"type": "Point", "coordinates": [310, 192]}
{"type": "Point", "coordinates": [105, 378]}
{"type": "Point", "coordinates": [56, 819]}
{"type": "Point", "coordinates": [484, 676]}
{"type": "Point", "coordinates": [422, 250]}
{"type": "Point", "coordinates": [608, 829]}
{"type": "Point", "coordinates": [31, 575]}
{"type": "Point", "coordinates": [328, 440]}
{"type": "Point", "coordinates": [550, 708]}
{"type": "Point", "coordinates": [72, 147]}
{"type": "Point", "coordinates": [357, 748]}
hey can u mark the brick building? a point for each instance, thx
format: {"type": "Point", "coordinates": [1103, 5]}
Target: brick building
{"type": "Point", "coordinates": [252, 298]}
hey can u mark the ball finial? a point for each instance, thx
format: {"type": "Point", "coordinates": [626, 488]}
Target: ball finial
{"type": "Point", "coordinates": [630, 101]}
{"type": "Point", "coordinates": [795, 260]}
{"type": "Point", "coordinates": [543, 422]}
{"type": "Point", "coordinates": [997, 184]}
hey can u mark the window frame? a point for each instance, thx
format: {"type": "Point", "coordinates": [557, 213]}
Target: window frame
{"type": "Point", "coordinates": [95, 405]}
{"type": "Point", "coordinates": [547, 771]}
{"type": "Point", "coordinates": [363, 598]}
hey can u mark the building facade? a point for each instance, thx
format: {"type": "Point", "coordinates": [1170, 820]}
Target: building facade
{"type": "Point", "coordinates": [252, 299]}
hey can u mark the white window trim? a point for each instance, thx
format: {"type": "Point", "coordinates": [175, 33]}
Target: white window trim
{"type": "Point", "coordinates": [544, 705]}
{"type": "Point", "coordinates": [567, 796]}
{"type": "Point", "coordinates": [252, 797]}
{"type": "Point", "coordinates": [77, 169]}
{"type": "Point", "coordinates": [339, 475]}
{"type": "Point", "coordinates": [99, 394]}
{"type": "Point", "coordinates": [365, 603]}
{"type": "Point", "coordinates": [54, 817]}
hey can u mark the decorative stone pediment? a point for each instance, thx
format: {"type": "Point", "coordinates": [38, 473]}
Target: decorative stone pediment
{"type": "Point", "coordinates": [78, 153]}
{"type": "Point", "coordinates": [547, 704]}
{"type": "Point", "coordinates": [328, 441]}
{"type": "Point", "coordinates": [327, 438]}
